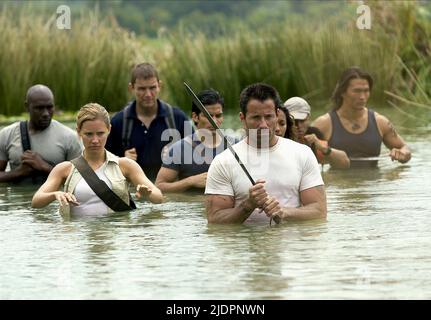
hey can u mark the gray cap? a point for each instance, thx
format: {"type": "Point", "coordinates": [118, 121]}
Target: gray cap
{"type": "Point", "coordinates": [298, 108]}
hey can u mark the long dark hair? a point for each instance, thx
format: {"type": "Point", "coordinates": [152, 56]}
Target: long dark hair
{"type": "Point", "coordinates": [344, 81]}
{"type": "Point", "coordinates": [289, 122]}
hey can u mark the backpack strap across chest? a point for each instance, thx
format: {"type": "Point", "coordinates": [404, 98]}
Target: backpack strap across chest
{"type": "Point", "coordinates": [100, 187]}
{"type": "Point", "coordinates": [128, 123]}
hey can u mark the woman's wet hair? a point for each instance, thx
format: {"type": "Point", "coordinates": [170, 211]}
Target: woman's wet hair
{"type": "Point", "coordinates": [92, 111]}
{"type": "Point", "coordinates": [290, 122]}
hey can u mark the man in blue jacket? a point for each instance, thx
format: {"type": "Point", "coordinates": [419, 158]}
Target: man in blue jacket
{"type": "Point", "coordinates": [146, 125]}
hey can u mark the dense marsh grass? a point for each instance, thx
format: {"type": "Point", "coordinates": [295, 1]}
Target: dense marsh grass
{"type": "Point", "coordinates": [92, 61]}
{"type": "Point", "coordinates": [306, 60]}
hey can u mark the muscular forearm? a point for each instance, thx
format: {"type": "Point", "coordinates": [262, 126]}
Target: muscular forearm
{"type": "Point", "coordinates": [232, 215]}
{"type": "Point", "coordinates": [338, 159]}
{"type": "Point", "coordinates": [407, 154]}
{"type": "Point", "coordinates": [308, 212]}
{"type": "Point", "coordinates": [176, 186]}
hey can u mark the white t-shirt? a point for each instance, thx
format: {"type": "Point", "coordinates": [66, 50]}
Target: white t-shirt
{"type": "Point", "coordinates": [288, 168]}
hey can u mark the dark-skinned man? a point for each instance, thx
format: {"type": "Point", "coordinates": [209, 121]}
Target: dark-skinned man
{"type": "Point", "coordinates": [32, 148]}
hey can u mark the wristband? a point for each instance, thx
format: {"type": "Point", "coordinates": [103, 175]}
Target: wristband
{"type": "Point", "coordinates": [328, 151]}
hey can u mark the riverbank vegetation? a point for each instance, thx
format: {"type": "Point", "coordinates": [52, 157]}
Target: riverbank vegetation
{"type": "Point", "coordinates": [92, 60]}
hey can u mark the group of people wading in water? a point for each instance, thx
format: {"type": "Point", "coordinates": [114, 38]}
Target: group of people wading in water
{"type": "Point", "coordinates": [281, 150]}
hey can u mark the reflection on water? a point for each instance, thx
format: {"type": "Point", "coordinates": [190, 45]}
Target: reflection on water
{"type": "Point", "coordinates": [375, 244]}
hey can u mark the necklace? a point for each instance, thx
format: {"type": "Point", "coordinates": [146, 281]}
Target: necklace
{"type": "Point", "coordinates": [355, 126]}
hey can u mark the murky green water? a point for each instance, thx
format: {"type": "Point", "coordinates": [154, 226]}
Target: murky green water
{"type": "Point", "coordinates": [375, 244]}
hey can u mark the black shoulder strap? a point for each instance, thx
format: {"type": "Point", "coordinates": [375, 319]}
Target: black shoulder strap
{"type": "Point", "coordinates": [25, 139]}
{"type": "Point", "coordinates": [99, 187]}
{"type": "Point", "coordinates": [127, 127]}
{"type": "Point", "coordinates": [170, 119]}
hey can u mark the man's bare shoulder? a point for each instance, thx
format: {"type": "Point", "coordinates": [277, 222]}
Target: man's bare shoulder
{"type": "Point", "coordinates": [383, 123]}
{"type": "Point", "coordinates": [381, 119]}
{"type": "Point", "coordinates": [322, 120]}
{"type": "Point", "coordinates": [323, 123]}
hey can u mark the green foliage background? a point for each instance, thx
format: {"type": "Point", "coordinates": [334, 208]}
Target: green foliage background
{"type": "Point", "coordinates": [300, 47]}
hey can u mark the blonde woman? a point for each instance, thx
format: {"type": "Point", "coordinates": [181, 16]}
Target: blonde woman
{"type": "Point", "coordinates": [93, 127]}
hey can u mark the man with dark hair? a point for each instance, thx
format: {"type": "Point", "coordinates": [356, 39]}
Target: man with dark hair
{"type": "Point", "coordinates": [288, 180]}
{"type": "Point", "coordinates": [34, 147]}
{"type": "Point", "coordinates": [353, 127]}
{"type": "Point", "coordinates": [139, 131]}
{"type": "Point", "coordinates": [186, 164]}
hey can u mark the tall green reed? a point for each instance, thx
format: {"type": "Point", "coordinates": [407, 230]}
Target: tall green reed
{"type": "Point", "coordinates": [89, 62]}
{"type": "Point", "coordinates": [304, 59]}
{"type": "Point", "coordinates": [92, 61]}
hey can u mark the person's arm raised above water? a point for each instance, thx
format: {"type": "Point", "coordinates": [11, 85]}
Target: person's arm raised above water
{"type": "Point", "coordinates": [145, 188]}
{"type": "Point", "coordinates": [48, 192]}
{"type": "Point", "coordinates": [313, 206]}
{"type": "Point", "coordinates": [338, 159]}
{"type": "Point", "coordinates": [399, 149]}
{"type": "Point", "coordinates": [167, 181]}
{"type": "Point", "coordinates": [312, 196]}
{"type": "Point", "coordinates": [220, 208]}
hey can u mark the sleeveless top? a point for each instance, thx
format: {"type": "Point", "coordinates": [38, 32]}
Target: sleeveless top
{"type": "Point", "coordinates": [89, 202]}
{"type": "Point", "coordinates": [113, 173]}
{"type": "Point", "coordinates": [364, 144]}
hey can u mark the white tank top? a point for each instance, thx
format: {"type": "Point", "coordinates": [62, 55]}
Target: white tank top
{"type": "Point", "coordinates": [89, 202]}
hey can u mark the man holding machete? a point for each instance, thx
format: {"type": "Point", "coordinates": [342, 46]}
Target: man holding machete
{"type": "Point", "coordinates": [289, 185]}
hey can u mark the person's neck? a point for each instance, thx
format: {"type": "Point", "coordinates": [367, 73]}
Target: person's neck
{"type": "Point", "coordinates": [95, 158]}
{"type": "Point", "coordinates": [258, 144]}
{"type": "Point", "coordinates": [209, 139]}
{"type": "Point", "coordinates": [32, 129]}
{"type": "Point", "coordinates": [146, 111]}
{"type": "Point", "coordinates": [351, 115]}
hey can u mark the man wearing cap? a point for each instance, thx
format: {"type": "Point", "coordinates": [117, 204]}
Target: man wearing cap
{"type": "Point", "coordinates": [313, 137]}
{"type": "Point", "coordinates": [358, 130]}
